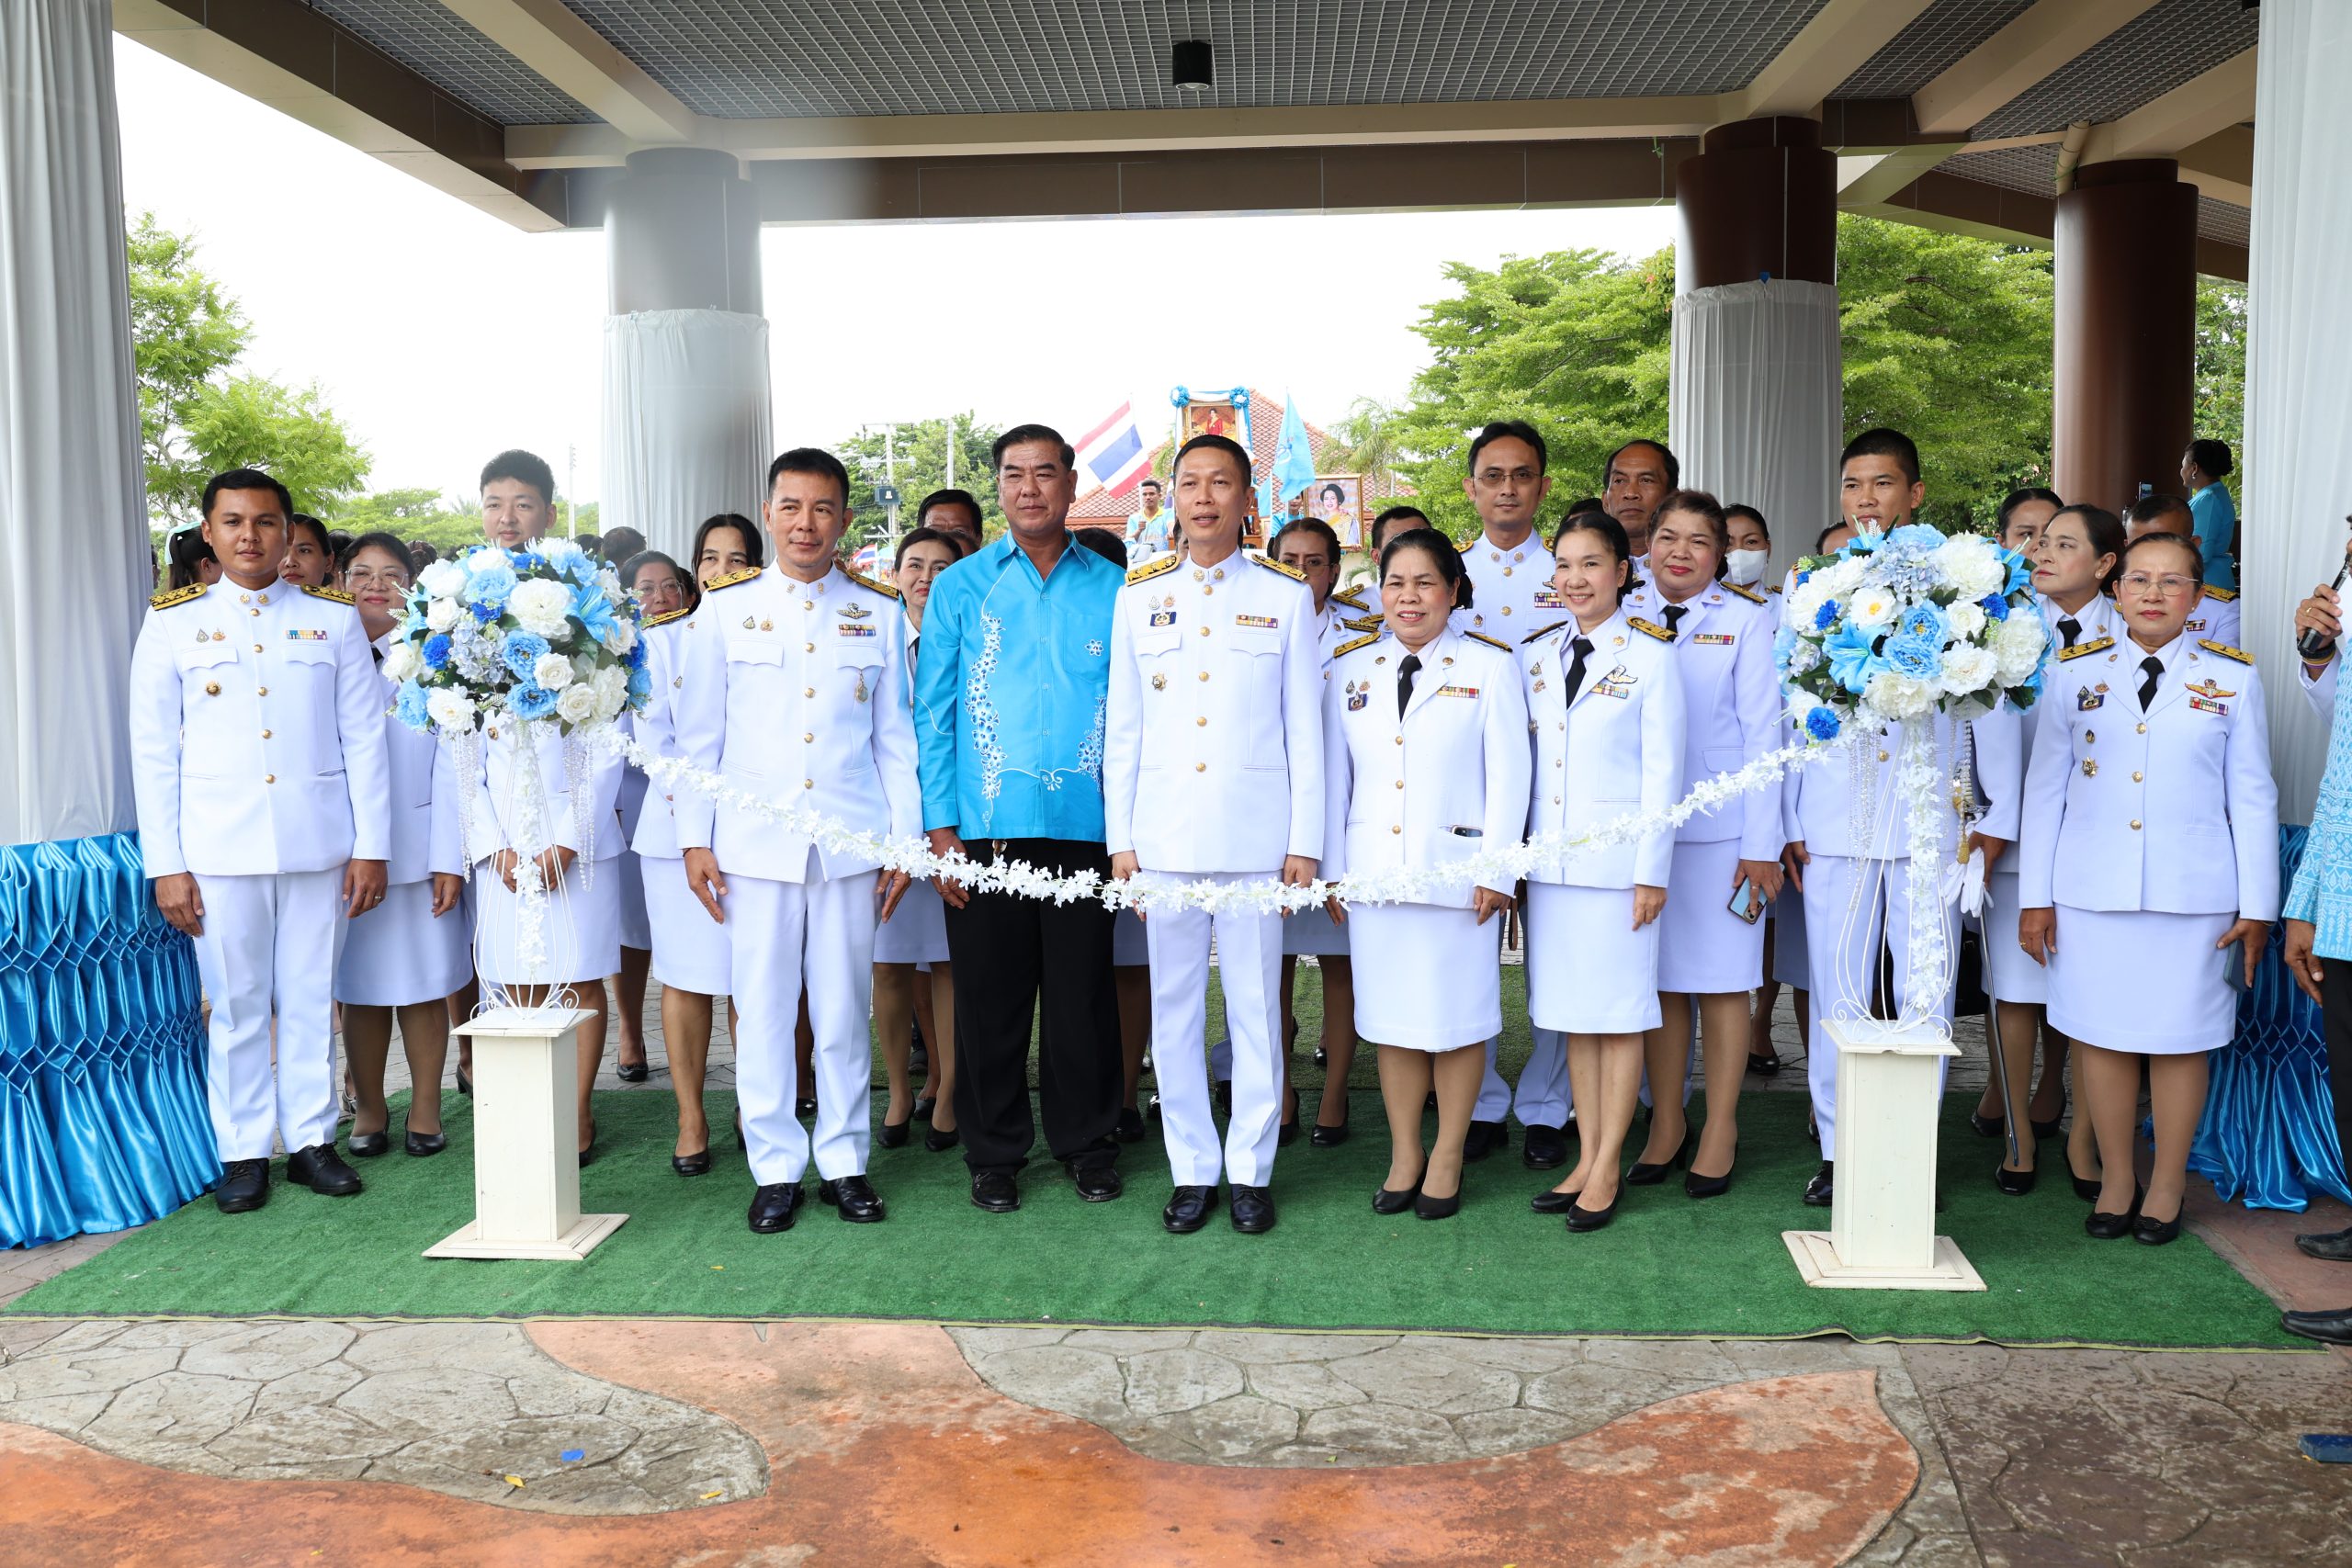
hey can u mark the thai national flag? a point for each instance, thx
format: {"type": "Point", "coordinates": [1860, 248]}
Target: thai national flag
{"type": "Point", "coordinates": [867, 560]}
{"type": "Point", "coordinates": [1113, 453]}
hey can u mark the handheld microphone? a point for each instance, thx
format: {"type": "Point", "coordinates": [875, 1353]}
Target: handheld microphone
{"type": "Point", "coordinates": [2311, 644]}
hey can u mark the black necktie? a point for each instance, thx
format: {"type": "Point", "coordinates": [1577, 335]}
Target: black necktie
{"type": "Point", "coordinates": [1404, 673]}
{"type": "Point", "coordinates": [2070, 628]}
{"type": "Point", "coordinates": [2155, 673]}
{"type": "Point", "coordinates": [1674, 614]}
{"type": "Point", "coordinates": [1576, 670]}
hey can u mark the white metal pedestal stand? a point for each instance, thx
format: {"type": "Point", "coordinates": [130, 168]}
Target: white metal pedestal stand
{"type": "Point", "coordinates": [1881, 1233]}
{"type": "Point", "coordinates": [527, 1141]}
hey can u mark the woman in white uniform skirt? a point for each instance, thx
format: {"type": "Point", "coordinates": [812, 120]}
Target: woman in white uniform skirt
{"type": "Point", "coordinates": [660, 589]}
{"type": "Point", "coordinates": [1424, 762]}
{"type": "Point", "coordinates": [917, 934]}
{"type": "Point", "coordinates": [1708, 948]}
{"type": "Point", "coordinates": [2076, 553]}
{"type": "Point", "coordinates": [2150, 850]}
{"type": "Point", "coordinates": [409, 952]}
{"type": "Point", "coordinates": [1604, 702]}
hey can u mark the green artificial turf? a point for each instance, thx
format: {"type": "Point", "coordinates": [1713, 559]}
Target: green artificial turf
{"type": "Point", "coordinates": [1669, 1267]}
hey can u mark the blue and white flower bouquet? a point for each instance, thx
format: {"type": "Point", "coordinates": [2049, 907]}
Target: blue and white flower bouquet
{"type": "Point", "coordinates": [1898, 627]}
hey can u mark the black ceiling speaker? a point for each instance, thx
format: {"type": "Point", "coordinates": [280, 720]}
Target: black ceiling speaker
{"type": "Point", "coordinates": [1193, 66]}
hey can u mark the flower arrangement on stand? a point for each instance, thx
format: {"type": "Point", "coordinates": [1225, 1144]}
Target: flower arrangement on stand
{"type": "Point", "coordinates": [519, 639]}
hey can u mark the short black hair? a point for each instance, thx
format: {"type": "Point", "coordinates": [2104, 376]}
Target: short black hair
{"type": "Point", "coordinates": [1741, 509]}
{"type": "Point", "coordinates": [1441, 549]}
{"type": "Point", "coordinates": [1396, 514]}
{"type": "Point", "coordinates": [2154, 504]}
{"type": "Point", "coordinates": [1665, 453]}
{"type": "Point", "coordinates": [624, 543]}
{"type": "Point", "coordinates": [1104, 543]}
{"type": "Point", "coordinates": [592, 542]}
{"type": "Point", "coordinates": [375, 539]}
{"type": "Point", "coordinates": [316, 529]}
{"type": "Point", "coordinates": [245, 478]}
{"type": "Point", "coordinates": [2017, 498]}
{"type": "Point", "coordinates": [1585, 503]}
{"type": "Point", "coordinates": [810, 460]}
{"type": "Point", "coordinates": [754, 542]}
{"type": "Point", "coordinates": [1334, 489]}
{"type": "Point", "coordinates": [2186, 544]}
{"type": "Point", "coordinates": [963, 498]}
{"type": "Point", "coordinates": [1698, 504]}
{"type": "Point", "coordinates": [955, 542]}
{"type": "Point", "coordinates": [2212, 456]}
{"type": "Point", "coordinates": [1881, 442]}
{"type": "Point", "coordinates": [1821, 540]}
{"type": "Point", "coordinates": [1518, 430]}
{"type": "Point", "coordinates": [1612, 533]}
{"type": "Point", "coordinates": [527, 467]}
{"type": "Point", "coordinates": [1315, 525]}
{"type": "Point", "coordinates": [1225, 444]}
{"type": "Point", "coordinates": [1150, 483]}
{"type": "Point", "coordinates": [1022, 434]}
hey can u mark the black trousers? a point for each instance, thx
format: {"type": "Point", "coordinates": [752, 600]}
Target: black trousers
{"type": "Point", "coordinates": [2336, 1022]}
{"type": "Point", "coordinates": [1010, 955]}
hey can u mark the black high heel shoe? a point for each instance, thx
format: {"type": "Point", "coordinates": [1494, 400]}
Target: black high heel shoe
{"type": "Point", "coordinates": [1431, 1207]}
{"type": "Point", "coordinates": [923, 1104]}
{"type": "Point", "coordinates": [1647, 1175]}
{"type": "Point", "coordinates": [1389, 1201]}
{"type": "Point", "coordinates": [1764, 1066]}
{"type": "Point", "coordinates": [465, 1084]}
{"type": "Point", "coordinates": [367, 1146]}
{"type": "Point", "coordinates": [2157, 1233]}
{"type": "Point", "coordinates": [2110, 1228]}
{"type": "Point", "coordinates": [1581, 1219]}
{"type": "Point", "coordinates": [2045, 1131]}
{"type": "Point", "coordinates": [939, 1142]}
{"type": "Point", "coordinates": [697, 1164]}
{"type": "Point", "coordinates": [1286, 1133]}
{"type": "Point", "coordinates": [633, 1072]}
{"type": "Point", "coordinates": [2017, 1183]}
{"type": "Point", "coordinates": [421, 1146]}
{"type": "Point", "coordinates": [2085, 1186]}
{"type": "Point", "coordinates": [1322, 1138]}
{"type": "Point", "coordinates": [1550, 1202]}
{"type": "Point", "coordinates": [1697, 1185]}
{"type": "Point", "coordinates": [1987, 1126]}
{"type": "Point", "coordinates": [891, 1135]}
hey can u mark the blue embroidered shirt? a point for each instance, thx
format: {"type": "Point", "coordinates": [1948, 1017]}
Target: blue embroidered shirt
{"type": "Point", "coordinates": [1011, 683]}
{"type": "Point", "coordinates": [2215, 518]}
{"type": "Point", "coordinates": [2321, 893]}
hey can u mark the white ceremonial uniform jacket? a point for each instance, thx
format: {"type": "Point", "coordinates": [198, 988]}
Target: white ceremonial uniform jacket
{"type": "Point", "coordinates": [656, 836]}
{"type": "Point", "coordinates": [2003, 739]}
{"type": "Point", "coordinates": [1444, 782]}
{"type": "Point", "coordinates": [2107, 828]}
{"type": "Point", "coordinates": [795, 691]}
{"type": "Point", "coordinates": [258, 734]}
{"type": "Point", "coordinates": [1511, 590]}
{"type": "Point", "coordinates": [423, 798]}
{"type": "Point", "coordinates": [1213, 751]}
{"type": "Point", "coordinates": [1615, 750]}
{"type": "Point", "coordinates": [2215, 617]}
{"type": "Point", "coordinates": [1731, 704]}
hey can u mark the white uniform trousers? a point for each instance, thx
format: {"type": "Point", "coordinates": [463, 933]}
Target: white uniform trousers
{"type": "Point", "coordinates": [1249, 962]}
{"type": "Point", "coordinates": [788, 933]}
{"type": "Point", "coordinates": [270, 944]}
{"type": "Point", "coordinates": [1843, 956]}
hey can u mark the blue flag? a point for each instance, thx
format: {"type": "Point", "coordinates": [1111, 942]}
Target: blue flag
{"type": "Point", "coordinates": [1294, 457]}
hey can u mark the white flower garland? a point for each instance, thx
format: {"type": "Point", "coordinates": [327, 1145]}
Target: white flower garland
{"type": "Point", "coordinates": [1396, 885]}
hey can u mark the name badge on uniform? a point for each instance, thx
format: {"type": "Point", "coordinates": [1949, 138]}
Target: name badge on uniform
{"type": "Point", "coordinates": [1268, 621]}
{"type": "Point", "coordinates": [2087, 697]}
{"type": "Point", "coordinates": [1714, 639]}
{"type": "Point", "coordinates": [1163, 618]}
{"type": "Point", "coordinates": [305, 634]}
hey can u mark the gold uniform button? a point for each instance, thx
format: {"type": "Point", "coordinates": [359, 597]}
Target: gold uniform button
{"type": "Point", "coordinates": [1203, 721]}
{"type": "Point", "coordinates": [807, 736]}
{"type": "Point", "coordinates": [1555, 800]}
{"type": "Point", "coordinates": [808, 783]}
{"type": "Point", "coordinates": [272, 778]}
{"type": "Point", "coordinates": [2143, 728]}
{"type": "Point", "coordinates": [1200, 767]}
{"type": "Point", "coordinates": [265, 735]}
{"type": "Point", "coordinates": [2135, 824]}
{"type": "Point", "coordinates": [212, 688]}
{"type": "Point", "coordinates": [1205, 631]}
{"type": "Point", "coordinates": [808, 691]}
{"type": "Point", "coordinates": [261, 691]}
{"type": "Point", "coordinates": [1205, 593]}
{"type": "Point", "coordinates": [808, 603]}
{"type": "Point", "coordinates": [1399, 829]}
{"type": "Point", "coordinates": [252, 612]}
{"type": "Point", "coordinates": [808, 647]}
{"type": "Point", "coordinates": [256, 648]}
{"type": "Point", "coordinates": [1400, 783]}
{"type": "Point", "coordinates": [1205, 674]}
{"type": "Point", "coordinates": [1882, 755]}
{"type": "Point", "coordinates": [2136, 775]}
{"type": "Point", "coordinates": [1400, 740]}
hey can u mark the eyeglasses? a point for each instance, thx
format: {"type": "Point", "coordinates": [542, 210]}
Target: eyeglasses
{"type": "Point", "coordinates": [2172, 584]}
{"type": "Point", "coordinates": [389, 577]}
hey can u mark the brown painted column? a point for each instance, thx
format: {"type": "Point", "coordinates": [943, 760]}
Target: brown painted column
{"type": "Point", "coordinates": [2126, 331]}
{"type": "Point", "coordinates": [1760, 197]}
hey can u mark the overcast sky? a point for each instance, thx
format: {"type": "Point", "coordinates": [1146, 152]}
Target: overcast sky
{"type": "Point", "coordinates": [441, 335]}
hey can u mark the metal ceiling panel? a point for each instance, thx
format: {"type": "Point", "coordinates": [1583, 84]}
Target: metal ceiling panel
{"type": "Point", "coordinates": [1936, 40]}
{"type": "Point", "coordinates": [2163, 47]}
{"type": "Point", "coordinates": [455, 57]}
{"type": "Point", "coordinates": [2030, 169]}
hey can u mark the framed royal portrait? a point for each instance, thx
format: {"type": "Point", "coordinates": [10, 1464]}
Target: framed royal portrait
{"type": "Point", "coordinates": [1337, 499]}
{"type": "Point", "coordinates": [1213, 414]}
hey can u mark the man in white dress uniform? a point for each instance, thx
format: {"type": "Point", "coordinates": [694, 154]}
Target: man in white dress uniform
{"type": "Point", "coordinates": [796, 690]}
{"type": "Point", "coordinates": [1214, 724]}
{"type": "Point", "coordinates": [265, 819]}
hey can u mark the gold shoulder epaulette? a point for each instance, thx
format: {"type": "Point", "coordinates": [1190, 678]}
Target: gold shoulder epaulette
{"type": "Point", "coordinates": [1153, 567]}
{"type": "Point", "coordinates": [337, 595]}
{"type": "Point", "coordinates": [1371, 622]}
{"type": "Point", "coordinates": [731, 579]}
{"type": "Point", "coordinates": [171, 596]}
{"type": "Point", "coordinates": [665, 620]}
{"type": "Point", "coordinates": [1466, 545]}
{"type": "Point", "coordinates": [2225, 651]}
{"type": "Point", "coordinates": [1654, 629]}
{"type": "Point", "coordinates": [1351, 597]}
{"type": "Point", "coordinates": [1489, 641]}
{"type": "Point", "coordinates": [2097, 646]}
{"type": "Point", "coordinates": [2223, 595]}
{"type": "Point", "coordinates": [865, 581]}
{"type": "Point", "coordinates": [1272, 565]}
{"type": "Point", "coordinates": [1350, 647]}
{"type": "Point", "coordinates": [1750, 594]}
{"type": "Point", "coordinates": [1543, 632]}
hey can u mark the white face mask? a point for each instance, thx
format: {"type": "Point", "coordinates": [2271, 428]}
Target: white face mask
{"type": "Point", "coordinates": [1745, 567]}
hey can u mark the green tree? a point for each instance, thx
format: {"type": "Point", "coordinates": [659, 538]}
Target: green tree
{"type": "Point", "coordinates": [196, 415]}
{"type": "Point", "coordinates": [2221, 369]}
{"type": "Point", "coordinates": [918, 455]}
{"type": "Point", "coordinates": [422, 513]}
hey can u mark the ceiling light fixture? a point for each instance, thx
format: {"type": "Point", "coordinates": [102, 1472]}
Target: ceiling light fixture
{"type": "Point", "coordinates": [1193, 66]}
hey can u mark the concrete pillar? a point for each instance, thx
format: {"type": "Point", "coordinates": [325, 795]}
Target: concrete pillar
{"type": "Point", "coordinates": [2126, 331]}
{"type": "Point", "coordinates": [1754, 405]}
{"type": "Point", "coordinates": [687, 422]}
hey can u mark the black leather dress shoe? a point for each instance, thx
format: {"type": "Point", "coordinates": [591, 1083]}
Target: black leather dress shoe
{"type": "Point", "coordinates": [939, 1142]}
{"type": "Point", "coordinates": [2329, 1247]}
{"type": "Point", "coordinates": [1130, 1127]}
{"type": "Point", "coordinates": [1543, 1148]}
{"type": "Point", "coordinates": [1644, 1174]}
{"type": "Point", "coordinates": [1583, 1219]}
{"type": "Point", "coordinates": [1097, 1183]}
{"type": "Point", "coordinates": [1429, 1208]}
{"type": "Point", "coordinates": [2101, 1226]}
{"type": "Point", "coordinates": [1821, 1190]}
{"type": "Point", "coordinates": [321, 1169]}
{"type": "Point", "coordinates": [697, 1164]}
{"type": "Point", "coordinates": [244, 1186]}
{"type": "Point", "coordinates": [421, 1146]}
{"type": "Point", "coordinates": [774, 1207]}
{"type": "Point", "coordinates": [1389, 1201]}
{"type": "Point", "coordinates": [1484, 1138]}
{"type": "Point", "coordinates": [996, 1192]}
{"type": "Point", "coordinates": [633, 1072]}
{"type": "Point", "coordinates": [923, 1105]}
{"type": "Point", "coordinates": [1697, 1185]}
{"type": "Point", "coordinates": [2331, 1327]}
{"type": "Point", "coordinates": [2016, 1183]}
{"type": "Point", "coordinates": [1253, 1209]}
{"type": "Point", "coordinates": [854, 1197]}
{"type": "Point", "coordinates": [891, 1135]}
{"type": "Point", "coordinates": [369, 1146]}
{"type": "Point", "coordinates": [1323, 1137]}
{"type": "Point", "coordinates": [804, 1107]}
{"type": "Point", "coordinates": [1188, 1210]}
{"type": "Point", "coordinates": [1551, 1203]}
{"type": "Point", "coordinates": [1221, 1094]}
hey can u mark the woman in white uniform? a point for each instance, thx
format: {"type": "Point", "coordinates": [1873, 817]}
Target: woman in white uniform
{"type": "Point", "coordinates": [2077, 552]}
{"type": "Point", "coordinates": [1710, 944]}
{"type": "Point", "coordinates": [657, 584]}
{"type": "Point", "coordinates": [912, 980]}
{"type": "Point", "coordinates": [2149, 852]}
{"type": "Point", "coordinates": [1604, 702]}
{"type": "Point", "coordinates": [409, 952]}
{"type": "Point", "coordinates": [1424, 762]}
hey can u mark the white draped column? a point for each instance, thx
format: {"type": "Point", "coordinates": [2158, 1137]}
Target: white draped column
{"type": "Point", "coordinates": [689, 426]}
{"type": "Point", "coordinates": [1756, 401]}
{"type": "Point", "coordinates": [74, 560]}
{"type": "Point", "coordinates": [2299, 373]}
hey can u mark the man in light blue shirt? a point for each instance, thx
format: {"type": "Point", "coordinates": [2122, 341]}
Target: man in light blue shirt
{"type": "Point", "coordinates": [1147, 528]}
{"type": "Point", "coordinates": [1013, 678]}
{"type": "Point", "coordinates": [2214, 514]}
